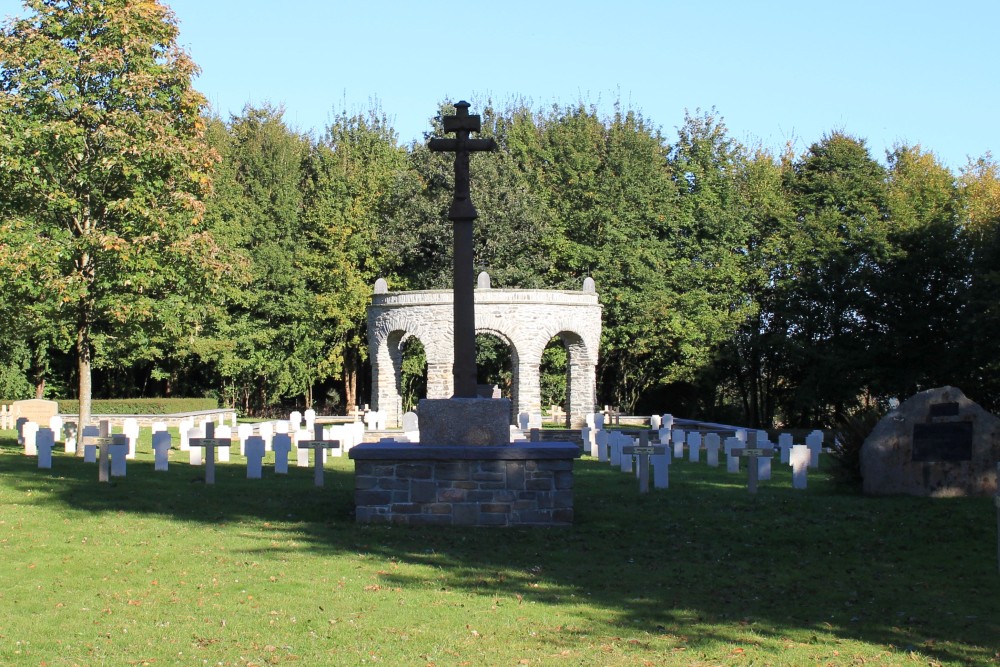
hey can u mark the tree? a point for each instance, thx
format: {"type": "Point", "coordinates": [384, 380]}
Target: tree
{"type": "Point", "coordinates": [836, 248]}
{"type": "Point", "coordinates": [262, 348]}
{"type": "Point", "coordinates": [103, 156]}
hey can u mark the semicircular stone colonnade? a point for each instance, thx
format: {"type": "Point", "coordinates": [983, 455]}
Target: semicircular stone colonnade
{"type": "Point", "coordinates": [525, 319]}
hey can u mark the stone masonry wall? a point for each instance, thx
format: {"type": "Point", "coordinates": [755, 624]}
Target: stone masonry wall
{"type": "Point", "coordinates": [472, 492]}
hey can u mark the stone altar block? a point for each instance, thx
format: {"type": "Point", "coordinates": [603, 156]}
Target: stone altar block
{"type": "Point", "coordinates": [465, 421]}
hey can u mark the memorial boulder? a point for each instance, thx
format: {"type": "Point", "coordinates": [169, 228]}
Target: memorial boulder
{"type": "Point", "coordinates": [936, 443]}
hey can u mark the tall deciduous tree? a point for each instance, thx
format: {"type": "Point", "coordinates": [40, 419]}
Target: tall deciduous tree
{"type": "Point", "coordinates": [101, 138]}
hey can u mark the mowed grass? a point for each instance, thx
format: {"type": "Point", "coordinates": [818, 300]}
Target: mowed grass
{"type": "Point", "coordinates": [160, 569]}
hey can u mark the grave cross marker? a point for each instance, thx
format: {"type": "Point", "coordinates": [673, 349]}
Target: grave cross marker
{"type": "Point", "coordinates": [751, 453]}
{"type": "Point", "coordinates": [462, 213]}
{"type": "Point", "coordinates": [318, 445]}
{"type": "Point", "coordinates": [102, 441]}
{"type": "Point", "coordinates": [210, 442]}
{"type": "Point", "coordinates": [644, 450]}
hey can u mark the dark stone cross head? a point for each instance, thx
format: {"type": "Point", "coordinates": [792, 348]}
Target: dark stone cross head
{"type": "Point", "coordinates": [462, 124]}
{"type": "Point", "coordinates": [463, 272]}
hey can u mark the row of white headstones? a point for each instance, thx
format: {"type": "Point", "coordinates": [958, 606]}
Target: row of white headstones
{"type": "Point", "coordinates": [254, 441]}
{"type": "Point", "coordinates": [608, 446]}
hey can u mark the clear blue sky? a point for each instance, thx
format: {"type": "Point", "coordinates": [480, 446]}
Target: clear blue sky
{"type": "Point", "coordinates": [916, 71]}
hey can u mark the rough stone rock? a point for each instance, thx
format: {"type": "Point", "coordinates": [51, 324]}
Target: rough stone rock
{"type": "Point", "coordinates": [936, 443]}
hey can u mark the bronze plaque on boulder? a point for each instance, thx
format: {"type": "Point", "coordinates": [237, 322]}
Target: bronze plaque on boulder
{"type": "Point", "coordinates": [943, 410]}
{"type": "Point", "coordinates": [947, 441]}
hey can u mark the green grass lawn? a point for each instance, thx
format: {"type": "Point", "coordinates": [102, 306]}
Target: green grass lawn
{"type": "Point", "coordinates": [160, 569]}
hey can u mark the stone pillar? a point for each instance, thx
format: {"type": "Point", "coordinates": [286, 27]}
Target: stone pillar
{"type": "Point", "coordinates": [581, 382]}
{"type": "Point", "coordinates": [440, 380]}
{"type": "Point", "coordinates": [528, 391]}
{"type": "Point", "coordinates": [387, 365]}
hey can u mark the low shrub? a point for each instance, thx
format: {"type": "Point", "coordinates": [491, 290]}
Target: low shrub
{"type": "Point", "coordinates": [848, 437]}
{"type": "Point", "coordinates": [140, 406]}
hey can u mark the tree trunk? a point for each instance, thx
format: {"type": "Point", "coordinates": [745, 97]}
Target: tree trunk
{"type": "Point", "coordinates": [83, 357]}
{"type": "Point", "coordinates": [350, 380]}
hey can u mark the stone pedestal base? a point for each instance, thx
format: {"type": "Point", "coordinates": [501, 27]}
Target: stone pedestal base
{"type": "Point", "coordinates": [465, 421]}
{"type": "Point", "coordinates": [419, 484]}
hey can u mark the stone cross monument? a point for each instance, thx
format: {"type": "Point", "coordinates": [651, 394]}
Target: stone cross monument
{"type": "Point", "coordinates": [464, 419]}
{"type": "Point", "coordinates": [462, 213]}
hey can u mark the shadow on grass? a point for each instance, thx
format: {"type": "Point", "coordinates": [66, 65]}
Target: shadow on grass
{"type": "Point", "coordinates": [701, 561]}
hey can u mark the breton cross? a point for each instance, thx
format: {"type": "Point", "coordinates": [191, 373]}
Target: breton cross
{"type": "Point", "coordinates": [751, 453]}
{"type": "Point", "coordinates": [210, 442]}
{"type": "Point", "coordinates": [462, 213]}
{"type": "Point", "coordinates": [643, 451]}
{"type": "Point", "coordinates": [318, 444]}
{"type": "Point", "coordinates": [102, 441]}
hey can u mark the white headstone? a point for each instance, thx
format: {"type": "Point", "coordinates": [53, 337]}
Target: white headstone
{"type": "Point", "coordinates": [30, 432]}
{"type": "Point", "coordinates": [301, 455]}
{"type": "Point", "coordinates": [130, 429]}
{"type": "Point", "coordinates": [90, 451]}
{"type": "Point", "coordinates": [732, 462]}
{"type": "Point", "coordinates": [310, 417]}
{"type": "Point", "coordinates": [523, 420]}
{"type": "Point", "coordinates": [677, 437]}
{"type": "Point", "coordinates": [799, 460]}
{"type": "Point", "coordinates": [282, 426]}
{"type": "Point", "coordinates": [694, 446]}
{"type": "Point", "coordinates": [254, 450]}
{"type": "Point", "coordinates": [337, 432]}
{"type": "Point", "coordinates": [614, 450]}
{"type": "Point", "coordinates": [56, 426]}
{"type": "Point", "coordinates": [118, 451]}
{"type": "Point", "coordinates": [483, 281]}
{"type": "Point", "coordinates": [589, 419]}
{"type": "Point", "coordinates": [158, 426]}
{"type": "Point", "coordinates": [183, 428]}
{"type": "Point", "coordinates": [625, 460]}
{"type": "Point", "coordinates": [411, 426]}
{"type": "Point", "coordinates": [599, 420]}
{"type": "Point", "coordinates": [712, 442]}
{"type": "Point", "coordinates": [814, 441]}
{"type": "Point", "coordinates": [224, 432]}
{"type": "Point", "coordinates": [667, 421]}
{"type": "Point", "coordinates": [266, 431]}
{"type": "Point", "coordinates": [195, 453]}
{"type": "Point", "coordinates": [294, 421]}
{"type": "Point", "coordinates": [654, 422]}
{"type": "Point", "coordinates": [785, 446]}
{"type": "Point", "coordinates": [661, 468]}
{"type": "Point", "coordinates": [243, 431]}
{"type": "Point", "coordinates": [45, 440]}
{"type": "Point", "coordinates": [601, 440]}
{"type": "Point", "coordinates": [282, 444]}
{"type": "Point", "coordinates": [161, 450]}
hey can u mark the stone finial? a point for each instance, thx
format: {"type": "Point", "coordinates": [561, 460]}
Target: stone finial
{"type": "Point", "coordinates": [483, 281]}
{"type": "Point", "coordinates": [381, 286]}
{"type": "Point", "coordinates": [588, 285]}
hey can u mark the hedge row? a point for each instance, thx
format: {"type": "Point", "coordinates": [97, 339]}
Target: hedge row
{"type": "Point", "coordinates": [140, 406]}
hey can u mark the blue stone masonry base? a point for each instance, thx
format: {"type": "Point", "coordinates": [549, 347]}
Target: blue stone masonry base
{"type": "Point", "coordinates": [419, 485]}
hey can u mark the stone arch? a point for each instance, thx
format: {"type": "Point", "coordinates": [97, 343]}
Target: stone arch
{"type": "Point", "coordinates": [525, 319]}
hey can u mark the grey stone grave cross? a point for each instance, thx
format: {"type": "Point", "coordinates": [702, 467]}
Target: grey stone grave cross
{"type": "Point", "coordinates": [462, 213]}
{"type": "Point", "coordinates": [318, 444]}
{"type": "Point", "coordinates": [210, 442]}
{"type": "Point", "coordinates": [643, 451]}
{"type": "Point", "coordinates": [102, 441]}
{"type": "Point", "coordinates": [752, 453]}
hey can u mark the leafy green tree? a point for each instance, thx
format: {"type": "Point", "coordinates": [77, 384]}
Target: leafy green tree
{"type": "Point", "coordinates": [920, 293]}
{"type": "Point", "coordinates": [263, 346]}
{"type": "Point", "coordinates": [980, 346]}
{"type": "Point", "coordinates": [102, 156]}
{"type": "Point", "coordinates": [837, 247]}
{"type": "Point", "coordinates": [353, 180]}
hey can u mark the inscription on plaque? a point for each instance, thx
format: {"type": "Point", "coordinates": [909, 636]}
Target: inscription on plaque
{"type": "Point", "coordinates": [943, 410]}
{"type": "Point", "coordinates": [948, 441]}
